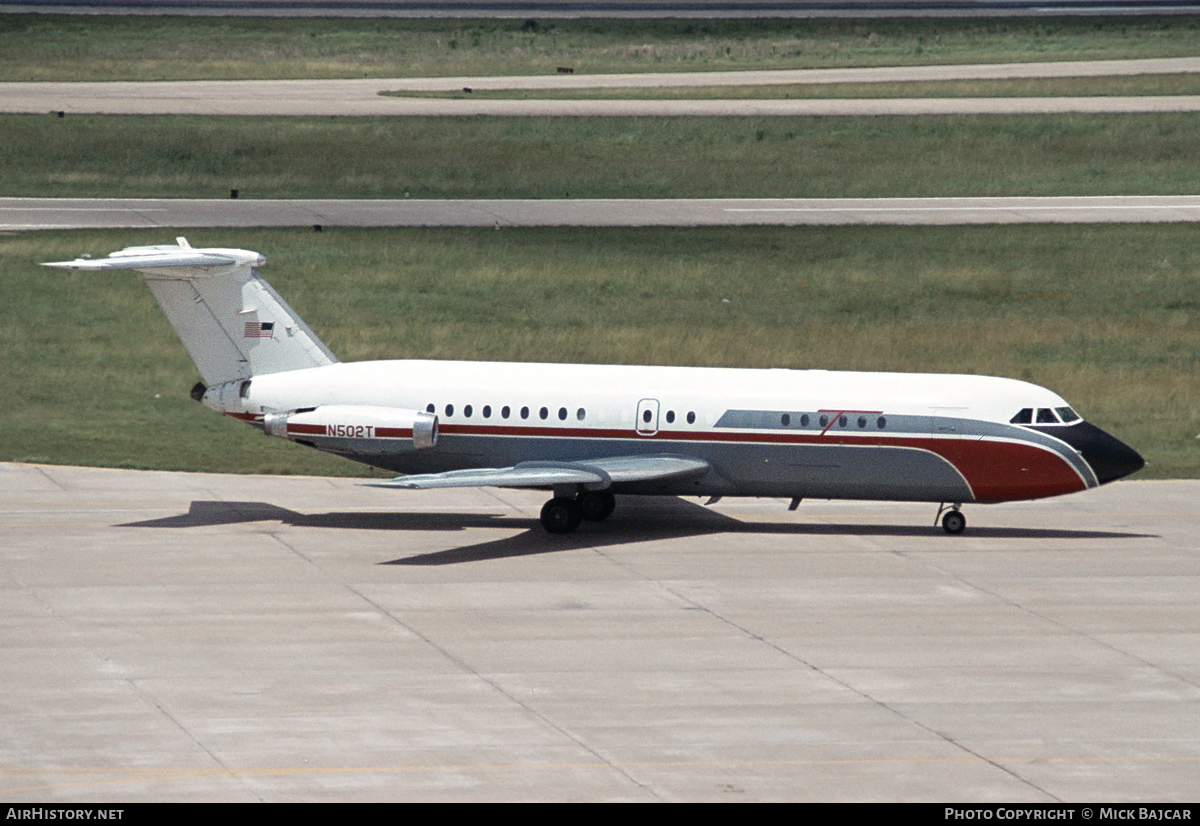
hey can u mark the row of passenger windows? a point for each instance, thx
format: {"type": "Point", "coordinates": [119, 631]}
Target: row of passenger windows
{"type": "Point", "coordinates": [842, 421]}
{"type": "Point", "coordinates": [506, 412]}
{"type": "Point", "coordinates": [822, 421]}
{"type": "Point", "coordinates": [544, 413]}
{"type": "Point", "coordinates": [1045, 415]}
{"type": "Point", "coordinates": [648, 416]}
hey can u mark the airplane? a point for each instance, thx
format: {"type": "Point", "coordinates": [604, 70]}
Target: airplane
{"type": "Point", "coordinates": [589, 432]}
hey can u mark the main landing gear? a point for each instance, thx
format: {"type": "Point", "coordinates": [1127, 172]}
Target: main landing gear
{"type": "Point", "coordinates": [953, 522]}
{"type": "Point", "coordinates": [562, 514]}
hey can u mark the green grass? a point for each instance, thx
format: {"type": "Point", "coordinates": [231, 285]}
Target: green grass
{"type": "Point", "coordinates": [47, 47]}
{"type": "Point", "coordinates": [1173, 84]}
{"type": "Point", "coordinates": [1107, 315]}
{"type": "Point", "coordinates": [176, 157]}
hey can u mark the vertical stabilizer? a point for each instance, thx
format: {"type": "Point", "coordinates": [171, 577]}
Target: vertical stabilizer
{"type": "Point", "coordinates": [232, 322]}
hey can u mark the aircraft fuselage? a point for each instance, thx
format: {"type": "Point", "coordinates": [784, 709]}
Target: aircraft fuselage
{"type": "Point", "coordinates": [787, 433]}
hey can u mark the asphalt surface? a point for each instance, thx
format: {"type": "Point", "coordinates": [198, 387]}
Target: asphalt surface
{"type": "Point", "coordinates": [265, 101]}
{"type": "Point", "coordinates": [18, 214]}
{"type": "Point", "coordinates": [172, 636]}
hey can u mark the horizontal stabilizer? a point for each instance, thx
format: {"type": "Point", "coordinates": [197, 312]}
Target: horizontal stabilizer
{"type": "Point", "coordinates": [162, 259]}
{"type": "Point", "coordinates": [146, 262]}
{"type": "Point", "coordinates": [595, 474]}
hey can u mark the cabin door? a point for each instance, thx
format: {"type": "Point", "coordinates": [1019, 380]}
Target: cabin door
{"type": "Point", "coordinates": [647, 417]}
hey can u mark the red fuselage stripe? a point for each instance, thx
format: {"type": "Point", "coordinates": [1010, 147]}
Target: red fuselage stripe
{"type": "Point", "coordinates": [995, 470]}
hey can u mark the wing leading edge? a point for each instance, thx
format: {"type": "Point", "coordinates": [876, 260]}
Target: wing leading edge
{"type": "Point", "coordinates": [593, 474]}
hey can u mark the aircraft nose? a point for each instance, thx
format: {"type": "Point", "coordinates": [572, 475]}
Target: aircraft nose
{"type": "Point", "coordinates": [1109, 457]}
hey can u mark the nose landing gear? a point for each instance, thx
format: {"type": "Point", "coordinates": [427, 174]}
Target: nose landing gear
{"type": "Point", "coordinates": [953, 521]}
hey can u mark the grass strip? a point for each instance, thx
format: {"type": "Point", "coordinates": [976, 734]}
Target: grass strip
{"type": "Point", "coordinates": [1106, 315]}
{"type": "Point", "coordinates": [206, 157]}
{"type": "Point", "coordinates": [1133, 85]}
{"type": "Point", "coordinates": [86, 47]}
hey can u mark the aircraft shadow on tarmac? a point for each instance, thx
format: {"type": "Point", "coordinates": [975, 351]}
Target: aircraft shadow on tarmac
{"type": "Point", "coordinates": [638, 519]}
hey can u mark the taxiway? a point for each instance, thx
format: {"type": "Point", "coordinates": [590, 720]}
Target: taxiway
{"type": "Point", "coordinates": [18, 214]}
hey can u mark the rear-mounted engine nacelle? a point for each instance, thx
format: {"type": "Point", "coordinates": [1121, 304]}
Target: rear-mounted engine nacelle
{"type": "Point", "coordinates": [229, 397]}
{"type": "Point", "coordinates": [355, 428]}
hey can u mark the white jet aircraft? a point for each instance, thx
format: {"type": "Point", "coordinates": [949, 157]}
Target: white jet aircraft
{"type": "Point", "coordinates": [587, 432]}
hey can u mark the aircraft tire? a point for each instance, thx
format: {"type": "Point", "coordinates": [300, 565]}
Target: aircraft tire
{"type": "Point", "coordinates": [596, 506]}
{"type": "Point", "coordinates": [954, 523]}
{"type": "Point", "coordinates": [561, 515]}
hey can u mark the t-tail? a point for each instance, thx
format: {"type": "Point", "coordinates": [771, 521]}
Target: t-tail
{"type": "Point", "coordinates": [232, 322]}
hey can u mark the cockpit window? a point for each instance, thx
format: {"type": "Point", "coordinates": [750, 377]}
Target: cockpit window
{"type": "Point", "coordinates": [1067, 414]}
{"type": "Point", "coordinates": [1024, 417]}
{"type": "Point", "coordinates": [1046, 416]}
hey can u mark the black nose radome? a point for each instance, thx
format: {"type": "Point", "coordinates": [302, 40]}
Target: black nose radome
{"type": "Point", "coordinates": [1109, 457]}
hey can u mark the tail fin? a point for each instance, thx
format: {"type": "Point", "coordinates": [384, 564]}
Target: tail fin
{"type": "Point", "coordinates": [232, 322]}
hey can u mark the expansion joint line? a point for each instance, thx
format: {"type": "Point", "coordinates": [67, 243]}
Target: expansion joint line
{"type": "Point", "coordinates": [233, 774]}
{"type": "Point", "coordinates": [533, 712]}
{"type": "Point", "coordinates": [817, 669]}
{"type": "Point", "coordinates": [1183, 678]}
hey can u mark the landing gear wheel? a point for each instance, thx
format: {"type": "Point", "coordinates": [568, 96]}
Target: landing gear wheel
{"type": "Point", "coordinates": [561, 515]}
{"type": "Point", "coordinates": [954, 522]}
{"type": "Point", "coordinates": [596, 505]}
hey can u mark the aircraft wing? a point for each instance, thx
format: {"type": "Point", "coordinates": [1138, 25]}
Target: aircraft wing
{"type": "Point", "coordinates": [595, 474]}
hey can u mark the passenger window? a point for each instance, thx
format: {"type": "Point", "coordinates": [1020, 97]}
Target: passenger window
{"type": "Point", "coordinates": [785, 419]}
{"type": "Point", "coordinates": [670, 417]}
{"type": "Point", "coordinates": [504, 411]}
{"type": "Point", "coordinates": [804, 420]}
{"type": "Point", "coordinates": [487, 411]}
{"type": "Point", "coordinates": [1024, 417]}
{"type": "Point", "coordinates": [524, 412]}
{"type": "Point", "coordinates": [562, 414]}
{"type": "Point", "coordinates": [691, 417]}
{"type": "Point", "coordinates": [1046, 416]}
{"type": "Point", "coordinates": [862, 422]}
{"type": "Point", "coordinates": [449, 410]}
{"type": "Point", "coordinates": [881, 422]}
{"type": "Point", "coordinates": [842, 421]}
{"type": "Point", "coordinates": [544, 412]}
{"type": "Point", "coordinates": [429, 408]}
{"type": "Point", "coordinates": [467, 411]}
{"type": "Point", "coordinates": [580, 414]}
{"type": "Point", "coordinates": [824, 420]}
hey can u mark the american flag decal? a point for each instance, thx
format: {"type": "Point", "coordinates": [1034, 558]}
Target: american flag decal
{"type": "Point", "coordinates": [259, 329]}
